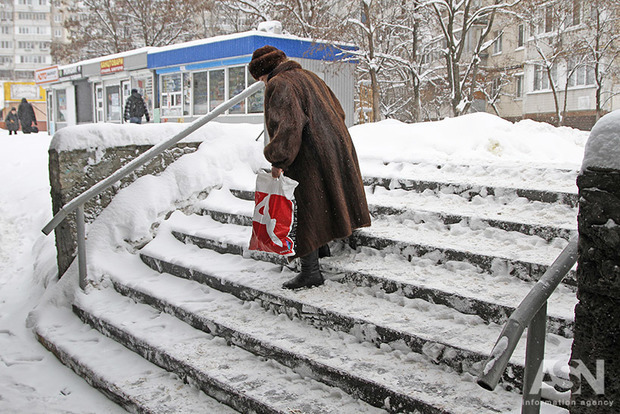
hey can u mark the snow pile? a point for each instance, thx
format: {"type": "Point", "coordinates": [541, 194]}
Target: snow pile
{"type": "Point", "coordinates": [603, 147]}
{"type": "Point", "coordinates": [229, 154]}
{"type": "Point", "coordinates": [471, 139]}
{"type": "Point", "coordinates": [101, 136]}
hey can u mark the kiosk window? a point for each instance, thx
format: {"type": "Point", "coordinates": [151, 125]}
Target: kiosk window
{"type": "Point", "coordinates": [216, 88]}
{"type": "Point", "coordinates": [113, 103]}
{"type": "Point", "coordinates": [236, 85]}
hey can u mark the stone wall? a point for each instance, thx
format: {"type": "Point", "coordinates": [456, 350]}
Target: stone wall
{"type": "Point", "coordinates": [73, 172]}
{"type": "Point", "coordinates": [595, 362]}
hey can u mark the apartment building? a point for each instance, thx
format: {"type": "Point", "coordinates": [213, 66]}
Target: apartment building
{"type": "Point", "coordinates": [27, 29]}
{"type": "Point", "coordinates": [543, 63]}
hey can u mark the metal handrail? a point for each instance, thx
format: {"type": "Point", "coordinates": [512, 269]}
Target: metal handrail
{"type": "Point", "coordinates": [78, 202]}
{"type": "Point", "coordinates": [532, 312]}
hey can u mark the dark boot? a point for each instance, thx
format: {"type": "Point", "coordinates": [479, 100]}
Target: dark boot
{"type": "Point", "coordinates": [324, 251]}
{"type": "Point", "coordinates": [310, 274]}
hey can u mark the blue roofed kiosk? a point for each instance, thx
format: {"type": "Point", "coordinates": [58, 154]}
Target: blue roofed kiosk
{"type": "Point", "coordinates": [195, 77]}
{"type": "Point", "coordinates": [183, 82]}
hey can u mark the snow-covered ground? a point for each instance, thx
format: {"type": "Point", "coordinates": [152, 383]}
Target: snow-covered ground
{"type": "Point", "coordinates": [33, 381]}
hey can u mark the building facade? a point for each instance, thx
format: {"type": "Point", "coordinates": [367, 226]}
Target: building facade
{"type": "Point", "coordinates": [544, 63]}
{"type": "Point", "coordinates": [27, 29]}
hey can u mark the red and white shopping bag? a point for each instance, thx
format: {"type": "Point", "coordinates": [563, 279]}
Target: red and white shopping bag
{"type": "Point", "coordinates": [273, 214]}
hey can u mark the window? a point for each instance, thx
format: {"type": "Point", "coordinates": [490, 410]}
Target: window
{"type": "Point", "coordinates": [61, 105]}
{"type": "Point", "coordinates": [496, 85]}
{"type": "Point", "coordinates": [99, 102]}
{"type": "Point", "coordinates": [255, 101]}
{"type": "Point", "coordinates": [236, 85]}
{"type": "Point", "coordinates": [519, 86]}
{"type": "Point", "coordinates": [201, 96]}
{"type": "Point", "coordinates": [33, 59]}
{"type": "Point", "coordinates": [497, 44]}
{"type": "Point", "coordinates": [171, 87]}
{"type": "Point", "coordinates": [44, 30]}
{"type": "Point", "coordinates": [541, 78]}
{"type": "Point", "coordinates": [216, 88]}
{"type": "Point", "coordinates": [113, 103]}
{"type": "Point", "coordinates": [576, 13]}
{"type": "Point", "coordinates": [579, 74]}
{"type": "Point", "coordinates": [208, 89]}
{"type": "Point", "coordinates": [31, 16]}
{"type": "Point", "coordinates": [521, 35]}
{"type": "Point", "coordinates": [5, 44]}
{"type": "Point", "coordinates": [548, 19]}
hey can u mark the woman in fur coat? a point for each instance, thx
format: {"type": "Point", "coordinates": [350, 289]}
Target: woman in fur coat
{"type": "Point", "coordinates": [310, 143]}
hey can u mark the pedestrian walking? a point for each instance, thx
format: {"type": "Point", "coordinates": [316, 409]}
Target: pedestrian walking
{"type": "Point", "coordinates": [26, 116]}
{"type": "Point", "coordinates": [135, 108]}
{"type": "Point", "coordinates": [310, 143]}
{"type": "Point", "coordinates": [12, 121]}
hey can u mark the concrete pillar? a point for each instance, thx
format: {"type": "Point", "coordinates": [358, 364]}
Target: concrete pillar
{"type": "Point", "coordinates": [595, 360]}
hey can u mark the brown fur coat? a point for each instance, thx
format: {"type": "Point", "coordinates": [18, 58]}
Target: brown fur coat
{"type": "Point", "coordinates": [311, 143]}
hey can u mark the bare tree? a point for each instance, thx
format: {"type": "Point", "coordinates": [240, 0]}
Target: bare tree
{"type": "Point", "coordinates": [465, 28]}
{"type": "Point", "coordinates": [601, 45]}
{"type": "Point", "coordinates": [96, 28]}
{"type": "Point", "coordinates": [367, 24]}
{"type": "Point", "coordinates": [404, 60]}
{"type": "Point", "coordinates": [162, 22]}
{"type": "Point", "coordinates": [554, 45]}
{"type": "Point", "coordinates": [102, 27]}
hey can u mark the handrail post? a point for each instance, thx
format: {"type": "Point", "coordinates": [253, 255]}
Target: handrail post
{"type": "Point", "coordinates": [81, 244]}
{"type": "Point", "coordinates": [534, 357]}
{"type": "Point", "coordinates": [521, 318]}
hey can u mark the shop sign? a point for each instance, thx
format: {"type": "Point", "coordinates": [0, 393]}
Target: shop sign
{"type": "Point", "coordinates": [72, 73]}
{"type": "Point", "coordinates": [46, 75]}
{"type": "Point", "coordinates": [30, 91]}
{"type": "Point", "coordinates": [112, 65]}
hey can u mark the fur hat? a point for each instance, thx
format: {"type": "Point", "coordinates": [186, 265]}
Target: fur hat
{"type": "Point", "coordinates": [265, 60]}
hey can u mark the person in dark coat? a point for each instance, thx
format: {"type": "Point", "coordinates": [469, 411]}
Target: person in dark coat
{"type": "Point", "coordinates": [135, 108]}
{"type": "Point", "coordinates": [26, 116]}
{"type": "Point", "coordinates": [12, 121]}
{"type": "Point", "coordinates": [310, 143]}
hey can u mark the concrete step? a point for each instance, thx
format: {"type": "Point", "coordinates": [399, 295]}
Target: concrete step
{"type": "Point", "coordinates": [392, 378]}
{"type": "Point", "coordinates": [507, 212]}
{"type": "Point", "coordinates": [459, 185]}
{"type": "Point", "coordinates": [123, 376]}
{"type": "Point", "coordinates": [449, 337]}
{"type": "Point", "coordinates": [469, 190]}
{"type": "Point", "coordinates": [235, 377]}
{"type": "Point", "coordinates": [461, 287]}
{"type": "Point", "coordinates": [491, 249]}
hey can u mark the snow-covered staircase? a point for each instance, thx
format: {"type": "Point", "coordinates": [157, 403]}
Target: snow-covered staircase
{"type": "Point", "coordinates": [411, 308]}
